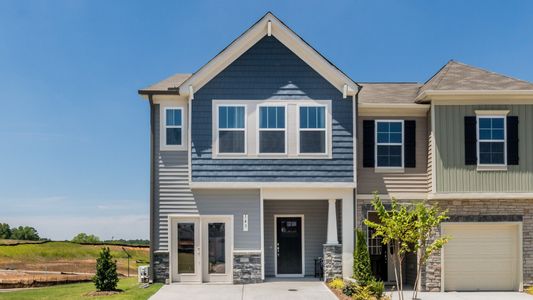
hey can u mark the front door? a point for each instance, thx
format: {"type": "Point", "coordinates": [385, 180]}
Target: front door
{"type": "Point", "coordinates": [289, 246]}
{"type": "Point", "coordinates": [186, 265]}
{"type": "Point", "coordinates": [216, 239]}
{"type": "Point", "coordinates": [378, 252]}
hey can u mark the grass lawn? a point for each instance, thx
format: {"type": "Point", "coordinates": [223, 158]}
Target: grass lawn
{"type": "Point", "coordinates": [78, 290]}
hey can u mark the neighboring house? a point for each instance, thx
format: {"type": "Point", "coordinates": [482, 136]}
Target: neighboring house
{"type": "Point", "coordinates": [267, 157]}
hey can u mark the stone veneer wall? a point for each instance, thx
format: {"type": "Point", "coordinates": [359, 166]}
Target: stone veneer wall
{"type": "Point", "coordinates": [160, 267]}
{"type": "Point", "coordinates": [468, 210]}
{"type": "Point", "coordinates": [247, 267]}
{"type": "Point", "coordinates": [332, 261]}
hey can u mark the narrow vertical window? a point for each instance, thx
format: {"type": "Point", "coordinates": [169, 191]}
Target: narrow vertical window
{"type": "Point", "coordinates": [272, 129]}
{"type": "Point", "coordinates": [312, 129]}
{"type": "Point", "coordinates": [173, 126]}
{"type": "Point", "coordinates": [217, 248]}
{"type": "Point", "coordinates": [231, 129]}
{"type": "Point", "coordinates": [186, 260]}
{"type": "Point", "coordinates": [491, 140]}
{"type": "Point", "coordinates": [389, 144]}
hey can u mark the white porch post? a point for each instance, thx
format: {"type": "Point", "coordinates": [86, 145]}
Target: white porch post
{"type": "Point", "coordinates": [332, 238]}
{"type": "Point", "coordinates": [348, 214]}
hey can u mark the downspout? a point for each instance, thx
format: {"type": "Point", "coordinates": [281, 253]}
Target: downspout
{"type": "Point", "coordinates": [152, 173]}
{"type": "Point", "coordinates": [356, 156]}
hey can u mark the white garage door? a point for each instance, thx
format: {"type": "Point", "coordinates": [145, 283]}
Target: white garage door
{"type": "Point", "coordinates": [481, 256]}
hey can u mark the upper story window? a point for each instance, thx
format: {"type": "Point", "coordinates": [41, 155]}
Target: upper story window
{"type": "Point", "coordinates": [173, 126]}
{"type": "Point", "coordinates": [491, 140]}
{"type": "Point", "coordinates": [312, 129]}
{"type": "Point", "coordinates": [231, 129]}
{"type": "Point", "coordinates": [389, 144]}
{"type": "Point", "coordinates": [272, 129]}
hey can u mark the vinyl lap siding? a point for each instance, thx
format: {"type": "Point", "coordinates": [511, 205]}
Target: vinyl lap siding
{"type": "Point", "coordinates": [315, 228]}
{"type": "Point", "coordinates": [269, 70]}
{"type": "Point", "coordinates": [413, 180]}
{"type": "Point", "coordinates": [172, 194]}
{"type": "Point", "coordinates": [452, 175]}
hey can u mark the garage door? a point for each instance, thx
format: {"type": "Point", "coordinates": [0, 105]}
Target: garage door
{"type": "Point", "coordinates": [481, 256]}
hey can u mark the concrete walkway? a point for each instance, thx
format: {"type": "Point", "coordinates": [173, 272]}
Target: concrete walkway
{"type": "Point", "coordinates": [293, 290]}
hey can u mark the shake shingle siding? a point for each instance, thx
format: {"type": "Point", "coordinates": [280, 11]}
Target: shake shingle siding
{"type": "Point", "coordinates": [269, 70]}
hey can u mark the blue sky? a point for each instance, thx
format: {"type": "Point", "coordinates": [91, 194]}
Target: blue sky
{"type": "Point", "coordinates": [74, 133]}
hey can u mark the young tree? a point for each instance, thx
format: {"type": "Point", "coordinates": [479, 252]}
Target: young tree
{"type": "Point", "coordinates": [106, 278]}
{"type": "Point", "coordinates": [5, 231]}
{"type": "Point", "coordinates": [25, 233]}
{"type": "Point", "coordinates": [85, 238]}
{"type": "Point", "coordinates": [428, 219]}
{"type": "Point", "coordinates": [397, 230]}
{"type": "Point", "coordinates": [361, 263]}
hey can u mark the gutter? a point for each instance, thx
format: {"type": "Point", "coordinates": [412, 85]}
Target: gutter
{"type": "Point", "coordinates": [152, 173]}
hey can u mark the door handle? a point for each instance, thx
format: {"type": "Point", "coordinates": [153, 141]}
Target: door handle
{"type": "Point", "coordinates": [277, 249]}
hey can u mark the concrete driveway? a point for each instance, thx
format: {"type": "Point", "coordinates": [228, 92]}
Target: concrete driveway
{"type": "Point", "coordinates": [467, 296]}
{"type": "Point", "coordinates": [293, 290]}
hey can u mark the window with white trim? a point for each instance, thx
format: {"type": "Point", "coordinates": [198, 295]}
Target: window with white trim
{"type": "Point", "coordinates": [312, 131]}
{"type": "Point", "coordinates": [231, 129]}
{"type": "Point", "coordinates": [389, 144]}
{"type": "Point", "coordinates": [491, 145]}
{"type": "Point", "coordinates": [272, 129]}
{"type": "Point", "coordinates": [173, 126]}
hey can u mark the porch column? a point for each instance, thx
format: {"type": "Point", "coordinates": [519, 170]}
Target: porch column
{"type": "Point", "coordinates": [348, 213]}
{"type": "Point", "coordinates": [332, 238]}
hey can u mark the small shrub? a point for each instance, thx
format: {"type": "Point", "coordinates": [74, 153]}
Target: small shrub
{"type": "Point", "coordinates": [361, 265]}
{"type": "Point", "coordinates": [363, 292]}
{"type": "Point", "coordinates": [336, 283]}
{"type": "Point", "coordinates": [377, 288]}
{"type": "Point", "coordinates": [349, 289]}
{"type": "Point", "coordinates": [529, 290]}
{"type": "Point", "coordinates": [106, 277]}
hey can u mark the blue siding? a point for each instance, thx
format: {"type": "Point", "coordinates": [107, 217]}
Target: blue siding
{"type": "Point", "coordinates": [269, 70]}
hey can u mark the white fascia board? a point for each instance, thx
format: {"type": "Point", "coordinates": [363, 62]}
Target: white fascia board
{"type": "Point", "coordinates": [285, 36]}
{"type": "Point", "coordinates": [459, 95]}
{"type": "Point", "coordinates": [256, 185]}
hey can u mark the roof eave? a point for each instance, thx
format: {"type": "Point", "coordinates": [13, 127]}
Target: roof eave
{"type": "Point", "coordinates": [429, 95]}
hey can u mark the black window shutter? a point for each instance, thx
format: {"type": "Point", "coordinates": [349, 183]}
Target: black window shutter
{"type": "Point", "coordinates": [410, 143]}
{"type": "Point", "coordinates": [512, 140]}
{"type": "Point", "coordinates": [368, 143]}
{"type": "Point", "coordinates": [470, 141]}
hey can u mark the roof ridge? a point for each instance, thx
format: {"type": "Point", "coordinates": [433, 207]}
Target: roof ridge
{"type": "Point", "coordinates": [491, 72]}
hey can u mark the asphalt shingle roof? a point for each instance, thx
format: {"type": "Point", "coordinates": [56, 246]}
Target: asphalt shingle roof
{"type": "Point", "coordinates": [173, 81]}
{"type": "Point", "coordinates": [393, 92]}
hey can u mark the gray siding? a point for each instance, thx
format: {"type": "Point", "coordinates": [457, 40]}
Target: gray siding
{"type": "Point", "coordinates": [452, 175]}
{"type": "Point", "coordinates": [269, 70]}
{"type": "Point", "coordinates": [236, 203]}
{"type": "Point", "coordinates": [413, 180]}
{"type": "Point", "coordinates": [172, 194]}
{"type": "Point", "coordinates": [315, 228]}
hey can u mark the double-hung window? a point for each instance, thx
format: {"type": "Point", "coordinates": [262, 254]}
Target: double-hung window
{"type": "Point", "coordinates": [312, 129]}
{"type": "Point", "coordinates": [231, 129]}
{"type": "Point", "coordinates": [389, 144]}
{"type": "Point", "coordinates": [491, 140]}
{"type": "Point", "coordinates": [173, 126]}
{"type": "Point", "coordinates": [272, 129]}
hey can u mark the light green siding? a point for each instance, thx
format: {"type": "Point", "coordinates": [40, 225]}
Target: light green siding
{"type": "Point", "coordinates": [452, 175]}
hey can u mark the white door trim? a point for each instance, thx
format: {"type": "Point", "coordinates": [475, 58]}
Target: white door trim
{"type": "Point", "coordinates": [519, 246]}
{"type": "Point", "coordinates": [226, 277]}
{"type": "Point", "coordinates": [201, 244]}
{"type": "Point", "coordinates": [301, 216]}
{"type": "Point", "coordinates": [173, 258]}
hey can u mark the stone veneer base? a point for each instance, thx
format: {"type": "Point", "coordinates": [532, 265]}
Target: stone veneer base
{"type": "Point", "coordinates": [247, 267]}
{"type": "Point", "coordinates": [332, 261]}
{"type": "Point", "coordinates": [160, 267]}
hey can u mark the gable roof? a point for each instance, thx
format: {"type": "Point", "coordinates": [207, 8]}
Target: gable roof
{"type": "Point", "coordinates": [388, 92]}
{"type": "Point", "coordinates": [166, 86]}
{"type": "Point", "coordinates": [267, 25]}
{"type": "Point", "coordinates": [457, 76]}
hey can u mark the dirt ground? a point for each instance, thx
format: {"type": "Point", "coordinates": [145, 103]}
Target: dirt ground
{"type": "Point", "coordinates": [73, 266]}
{"type": "Point", "coordinates": [22, 279]}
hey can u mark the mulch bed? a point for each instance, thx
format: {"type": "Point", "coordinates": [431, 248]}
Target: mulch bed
{"type": "Point", "coordinates": [103, 293]}
{"type": "Point", "coordinates": [339, 294]}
